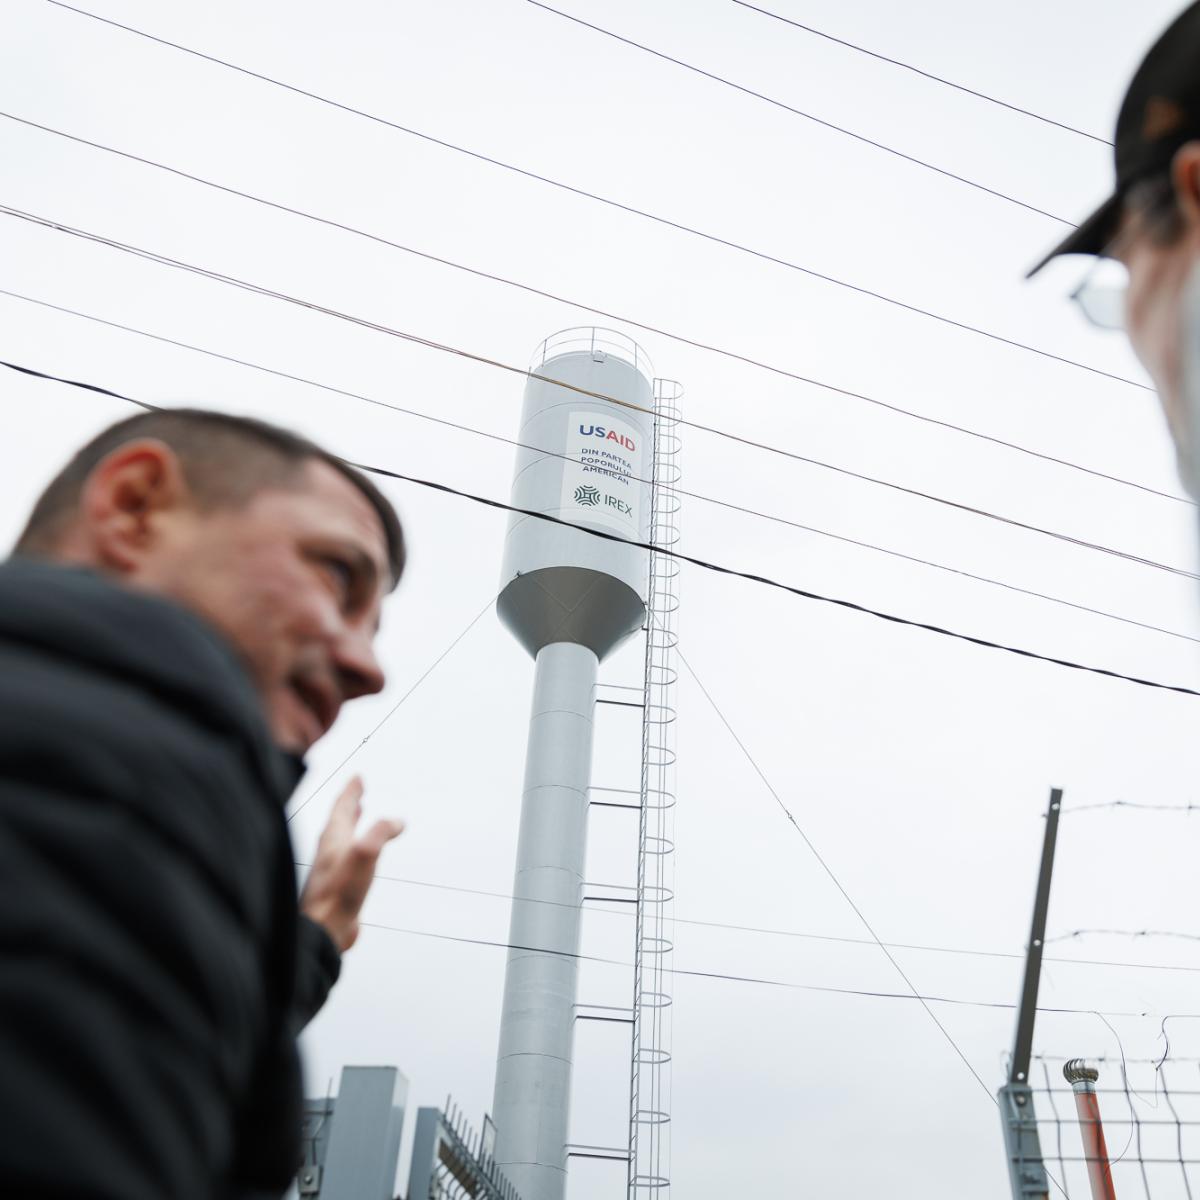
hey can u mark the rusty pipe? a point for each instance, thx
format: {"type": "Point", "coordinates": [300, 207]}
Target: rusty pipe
{"type": "Point", "coordinates": [1083, 1077]}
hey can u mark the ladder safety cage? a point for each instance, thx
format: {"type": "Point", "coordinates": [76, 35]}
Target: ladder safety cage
{"type": "Point", "coordinates": [650, 1056]}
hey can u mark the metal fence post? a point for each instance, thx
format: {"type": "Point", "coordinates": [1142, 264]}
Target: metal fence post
{"type": "Point", "coordinates": [1027, 1172]}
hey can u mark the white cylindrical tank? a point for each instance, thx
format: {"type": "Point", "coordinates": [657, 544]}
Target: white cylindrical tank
{"type": "Point", "coordinates": [570, 599]}
{"type": "Point", "coordinates": [587, 466]}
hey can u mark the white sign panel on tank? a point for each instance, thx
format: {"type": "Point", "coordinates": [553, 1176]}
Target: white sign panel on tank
{"type": "Point", "coordinates": [602, 477]}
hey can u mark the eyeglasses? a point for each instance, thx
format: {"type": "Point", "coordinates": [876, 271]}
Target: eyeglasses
{"type": "Point", "coordinates": [1101, 293]}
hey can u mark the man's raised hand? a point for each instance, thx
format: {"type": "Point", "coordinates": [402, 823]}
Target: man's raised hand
{"type": "Point", "coordinates": [344, 867]}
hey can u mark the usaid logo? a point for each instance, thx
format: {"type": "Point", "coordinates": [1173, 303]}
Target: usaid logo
{"type": "Point", "coordinates": [609, 435]}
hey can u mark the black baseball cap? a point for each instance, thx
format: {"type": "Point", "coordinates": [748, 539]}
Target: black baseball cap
{"type": "Point", "coordinates": [1160, 112]}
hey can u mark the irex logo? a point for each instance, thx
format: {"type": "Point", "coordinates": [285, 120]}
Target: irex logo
{"type": "Point", "coordinates": [590, 497]}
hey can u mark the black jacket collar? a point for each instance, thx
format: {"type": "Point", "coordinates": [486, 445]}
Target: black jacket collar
{"type": "Point", "coordinates": [147, 640]}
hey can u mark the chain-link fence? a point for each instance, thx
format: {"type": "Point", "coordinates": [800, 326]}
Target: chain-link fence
{"type": "Point", "coordinates": [1134, 1124]}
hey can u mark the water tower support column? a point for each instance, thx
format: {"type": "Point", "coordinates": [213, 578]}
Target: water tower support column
{"type": "Point", "coordinates": [533, 1071]}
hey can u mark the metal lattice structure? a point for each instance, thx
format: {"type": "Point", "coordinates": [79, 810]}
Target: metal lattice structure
{"type": "Point", "coordinates": [650, 1065]}
{"type": "Point", "coordinates": [453, 1162]}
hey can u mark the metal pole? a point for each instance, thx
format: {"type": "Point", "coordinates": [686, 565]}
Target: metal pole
{"type": "Point", "coordinates": [533, 1070]}
{"type": "Point", "coordinates": [1027, 1173]}
{"type": "Point", "coordinates": [1082, 1079]}
{"type": "Point", "coordinates": [1023, 1042]}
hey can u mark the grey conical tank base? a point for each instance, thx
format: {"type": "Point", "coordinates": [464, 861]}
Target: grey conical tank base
{"type": "Point", "coordinates": [570, 604]}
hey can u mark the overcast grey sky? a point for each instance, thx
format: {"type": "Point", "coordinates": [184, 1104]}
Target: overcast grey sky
{"type": "Point", "coordinates": [919, 766]}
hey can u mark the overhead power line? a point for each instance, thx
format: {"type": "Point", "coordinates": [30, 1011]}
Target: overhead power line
{"type": "Point", "coordinates": [433, 666]}
{"type": "Point", "coordinates": [89, 387]}
{"type": "Point", "coordinates": [725, 925]}
{"type": "Point", "coordinates": [313, 306]}
{"type": "Point", "coordinates": [799, 112]}
{"type": "Point", "coordinates": [828, 870]}
{"type": "Point", "coordinates": [765, 982]}
{"type": "Point", "coordinates": [462, 427]}
{"type": "Point", "coordinates": [767, 581]}
{"type": "Point", "coordinates": [703, 564]}
{"type": "Point", "coordinates": [583, 192]}
{"type": "Point", "coordinates": [758, 364]}
{"type": "Point", "coordinates": [765, 931]}
{"type": "Point", "coordinates": [895, 62]}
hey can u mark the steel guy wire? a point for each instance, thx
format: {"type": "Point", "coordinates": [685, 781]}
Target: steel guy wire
{"type": "Point", "coordinates": [763, 981]}
{"type": "Point", "coordinates": [703, 564]}
{"type": "Point", "coordinates": [837, 883]}
{"type": "Point", "coordinates": [788, 933]}
{"type": "Point", "coordinates": [732, 355]}
{"type": "Point", "coordinates": [895, 62]}
{"type": "Point", "coordinates": [1166, 1041]}
{"type": "Point", "coordinates": [725, 504]}
{"type": "Point", "coordinates": [1130, 1094]}
{"type": "Point", "coordinates": [414, 339]}
{"type": "Point", "coordinates": [616, 204]}
{"type": "Point", "coordinates": [433, 666]}
{"type": "Point", "coordinates": [1057, 1130]}
{"type": "Point", "coordinates": [798, 112]}
{"type": "Point", "coordinates": [1134, 1119]}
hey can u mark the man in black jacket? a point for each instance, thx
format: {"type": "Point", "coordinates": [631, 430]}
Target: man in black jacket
{"type": "Point", "coordinates": [192, 601]}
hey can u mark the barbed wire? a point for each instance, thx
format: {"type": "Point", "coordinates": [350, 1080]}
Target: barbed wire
{"type": "Point", "coordinates": [1189, 807]}
{"type": "Point", "coordinates": [1104, 1058]}
{"type": "Point", "coordinates": [1125, 933]}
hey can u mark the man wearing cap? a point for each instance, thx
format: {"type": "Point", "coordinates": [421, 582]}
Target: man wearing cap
{"type": "Point", "coordinates": [1150, 225]}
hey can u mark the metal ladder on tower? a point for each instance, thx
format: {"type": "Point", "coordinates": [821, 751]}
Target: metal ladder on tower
{"type": "Point", "coordinates": [650, 1058]}
{"type": "Point", "coordinates": [646, 1151]}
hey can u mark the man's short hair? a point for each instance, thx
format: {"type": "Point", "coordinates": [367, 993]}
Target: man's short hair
{"type": "Point", "coordinates": [225, 459]}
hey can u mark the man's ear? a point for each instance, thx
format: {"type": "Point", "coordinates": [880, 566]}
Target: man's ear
{"type": "Point", "coordinates": [126, 498]}
{"type": "Point", "coordinates": [1185, 175]}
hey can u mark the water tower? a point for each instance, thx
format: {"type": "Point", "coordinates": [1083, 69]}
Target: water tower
{"type": "Point", "coordinates": [570, 599]}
